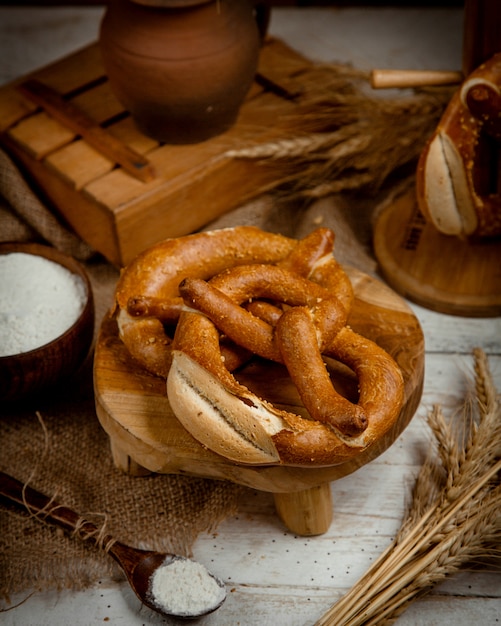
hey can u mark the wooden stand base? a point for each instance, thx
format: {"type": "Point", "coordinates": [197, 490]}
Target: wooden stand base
{"type": "Point", "coordinates": [307, 512]}
{"type": "Point", "coordinates": [442, 273]}
{"type": "Point", "coordinates": [145, 435]}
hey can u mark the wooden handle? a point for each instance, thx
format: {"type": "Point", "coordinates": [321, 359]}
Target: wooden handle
{"type": "Point", "coordinates": [398, 79]}
{"type": "Point", "coordinates": [77, 121]}
{"type": "Point", "coordinates": [26, 499]}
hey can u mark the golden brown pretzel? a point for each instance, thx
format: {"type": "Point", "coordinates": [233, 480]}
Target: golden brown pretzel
{"type": "Point", "coordinates": [220, 300]}
{"type": "Point", "coordinates": [147, 295]}
{"type": "Point", "coordinates": [230, 419]}
{"type": "Point", "coordinates": [456, 188]}
{"type": "Point", "coordinates": [302, 355]}
{"type": "Point", "coordinates": [148, 302]}
{"type": "Point", "coordinates": [303, 332]}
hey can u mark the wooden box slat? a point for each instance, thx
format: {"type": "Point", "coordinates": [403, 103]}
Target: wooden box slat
{"type": "Point", "coordinates": [99, 103]}
{"type": "Point", "coordinates": [60, 75]}
{"type": "Point", "coordinates": [126, 130]}
{"type": "Point", "coordinates": [40, 134]}
{"type": "Point", "coordinates": [79, 164]}
{"type": "Point", "coordinates": [114, 212]}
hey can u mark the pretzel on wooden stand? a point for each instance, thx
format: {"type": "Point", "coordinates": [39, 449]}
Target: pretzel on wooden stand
{"type": "Point", "coordinates": [280, 299]}
{"type": "Point", "coordinates": [457, 188]}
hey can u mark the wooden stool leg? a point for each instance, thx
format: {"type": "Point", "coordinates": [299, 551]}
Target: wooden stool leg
{"type": "Point", "coordinates": [307, 512]}
{"type": "Point", "coordinates": [125, 463]}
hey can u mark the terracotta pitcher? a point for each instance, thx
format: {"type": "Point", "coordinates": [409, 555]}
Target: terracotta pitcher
{"type": "Point", "coordinates": [182, 68]}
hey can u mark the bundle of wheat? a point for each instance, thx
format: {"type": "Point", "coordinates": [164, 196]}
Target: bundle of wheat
{"type": "Point", "coordinates": [454, 518]}
{"type": "Point", "coordinates": [342, 137]}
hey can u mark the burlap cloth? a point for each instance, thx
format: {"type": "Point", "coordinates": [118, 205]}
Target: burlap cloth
{"type": "Point", "coordinates": [59, 447]}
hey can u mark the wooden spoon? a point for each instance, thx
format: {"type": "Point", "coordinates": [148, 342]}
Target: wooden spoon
{"type": "Point", "coordinates": [138, 565]}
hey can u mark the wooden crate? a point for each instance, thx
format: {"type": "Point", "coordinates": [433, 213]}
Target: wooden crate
{"type": "Point", "coordinates": [117, 214]}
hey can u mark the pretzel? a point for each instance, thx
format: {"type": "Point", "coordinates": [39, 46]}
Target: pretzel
{"type": "Point", "coordinates": [454, 183]}
{"type": "Point", "coordinates": [234, 422]}
{"type": "Point", "coordinates": [305, 330]}
{"type": "Point", "coordinates": [306, 304]}
{"type": "Point", "coordinates": [220, 299]}
{"type": "Point", "coordinates": [147, 298]}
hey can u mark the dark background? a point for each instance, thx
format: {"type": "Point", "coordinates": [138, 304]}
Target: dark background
{"type": "Point", "coordinates": [296, 3]}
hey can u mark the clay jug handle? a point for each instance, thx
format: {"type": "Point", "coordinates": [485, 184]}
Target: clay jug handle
{"type": "Point", "coordinates": [262, 14]}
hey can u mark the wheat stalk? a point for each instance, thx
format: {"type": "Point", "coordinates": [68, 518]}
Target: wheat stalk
{"type": "Point", "coordinates": [454, 517]}
{"type": "Point", "coordinates": [340, 138]}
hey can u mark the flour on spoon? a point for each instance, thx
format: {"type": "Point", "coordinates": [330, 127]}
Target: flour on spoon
{"type": "Point", "coordinates": [185, 587]}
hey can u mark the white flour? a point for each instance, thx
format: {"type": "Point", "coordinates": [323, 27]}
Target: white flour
{"type": "Point", "coordinates": [185, 587]}
{"type": "Point", "coordinates": [39, 301]}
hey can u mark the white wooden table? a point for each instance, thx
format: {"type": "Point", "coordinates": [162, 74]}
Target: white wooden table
{"type": "Point", "coordinates": [277, 578]}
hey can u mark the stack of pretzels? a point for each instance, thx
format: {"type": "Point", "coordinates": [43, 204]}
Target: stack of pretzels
{"type": "Point", "coordinates": [194, 309]}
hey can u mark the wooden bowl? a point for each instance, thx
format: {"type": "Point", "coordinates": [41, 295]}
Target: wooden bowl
{"type": "Point", "coordinates": [27, 374]}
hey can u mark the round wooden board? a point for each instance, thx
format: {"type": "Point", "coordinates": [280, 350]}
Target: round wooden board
{"type": "Point", "coordinates": [144, 433]}
{"type": "Point", "coordinates": [442, 273]}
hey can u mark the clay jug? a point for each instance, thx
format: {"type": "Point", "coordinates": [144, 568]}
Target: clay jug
{"type": "Point", "coordinates": [182, 68]}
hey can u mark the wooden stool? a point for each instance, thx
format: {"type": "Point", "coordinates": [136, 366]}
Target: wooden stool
{"type": "Point", "coordinates": [145, 436]}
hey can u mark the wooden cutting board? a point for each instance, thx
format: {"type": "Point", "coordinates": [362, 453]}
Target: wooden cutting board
{"type": "Point", "coordinates": [145, 435]}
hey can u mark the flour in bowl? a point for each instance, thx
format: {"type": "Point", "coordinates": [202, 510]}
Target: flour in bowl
{"type": "Point", "coordinates": [185, 587]}
{"type": "Point", "coordinates": [39, 301]}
